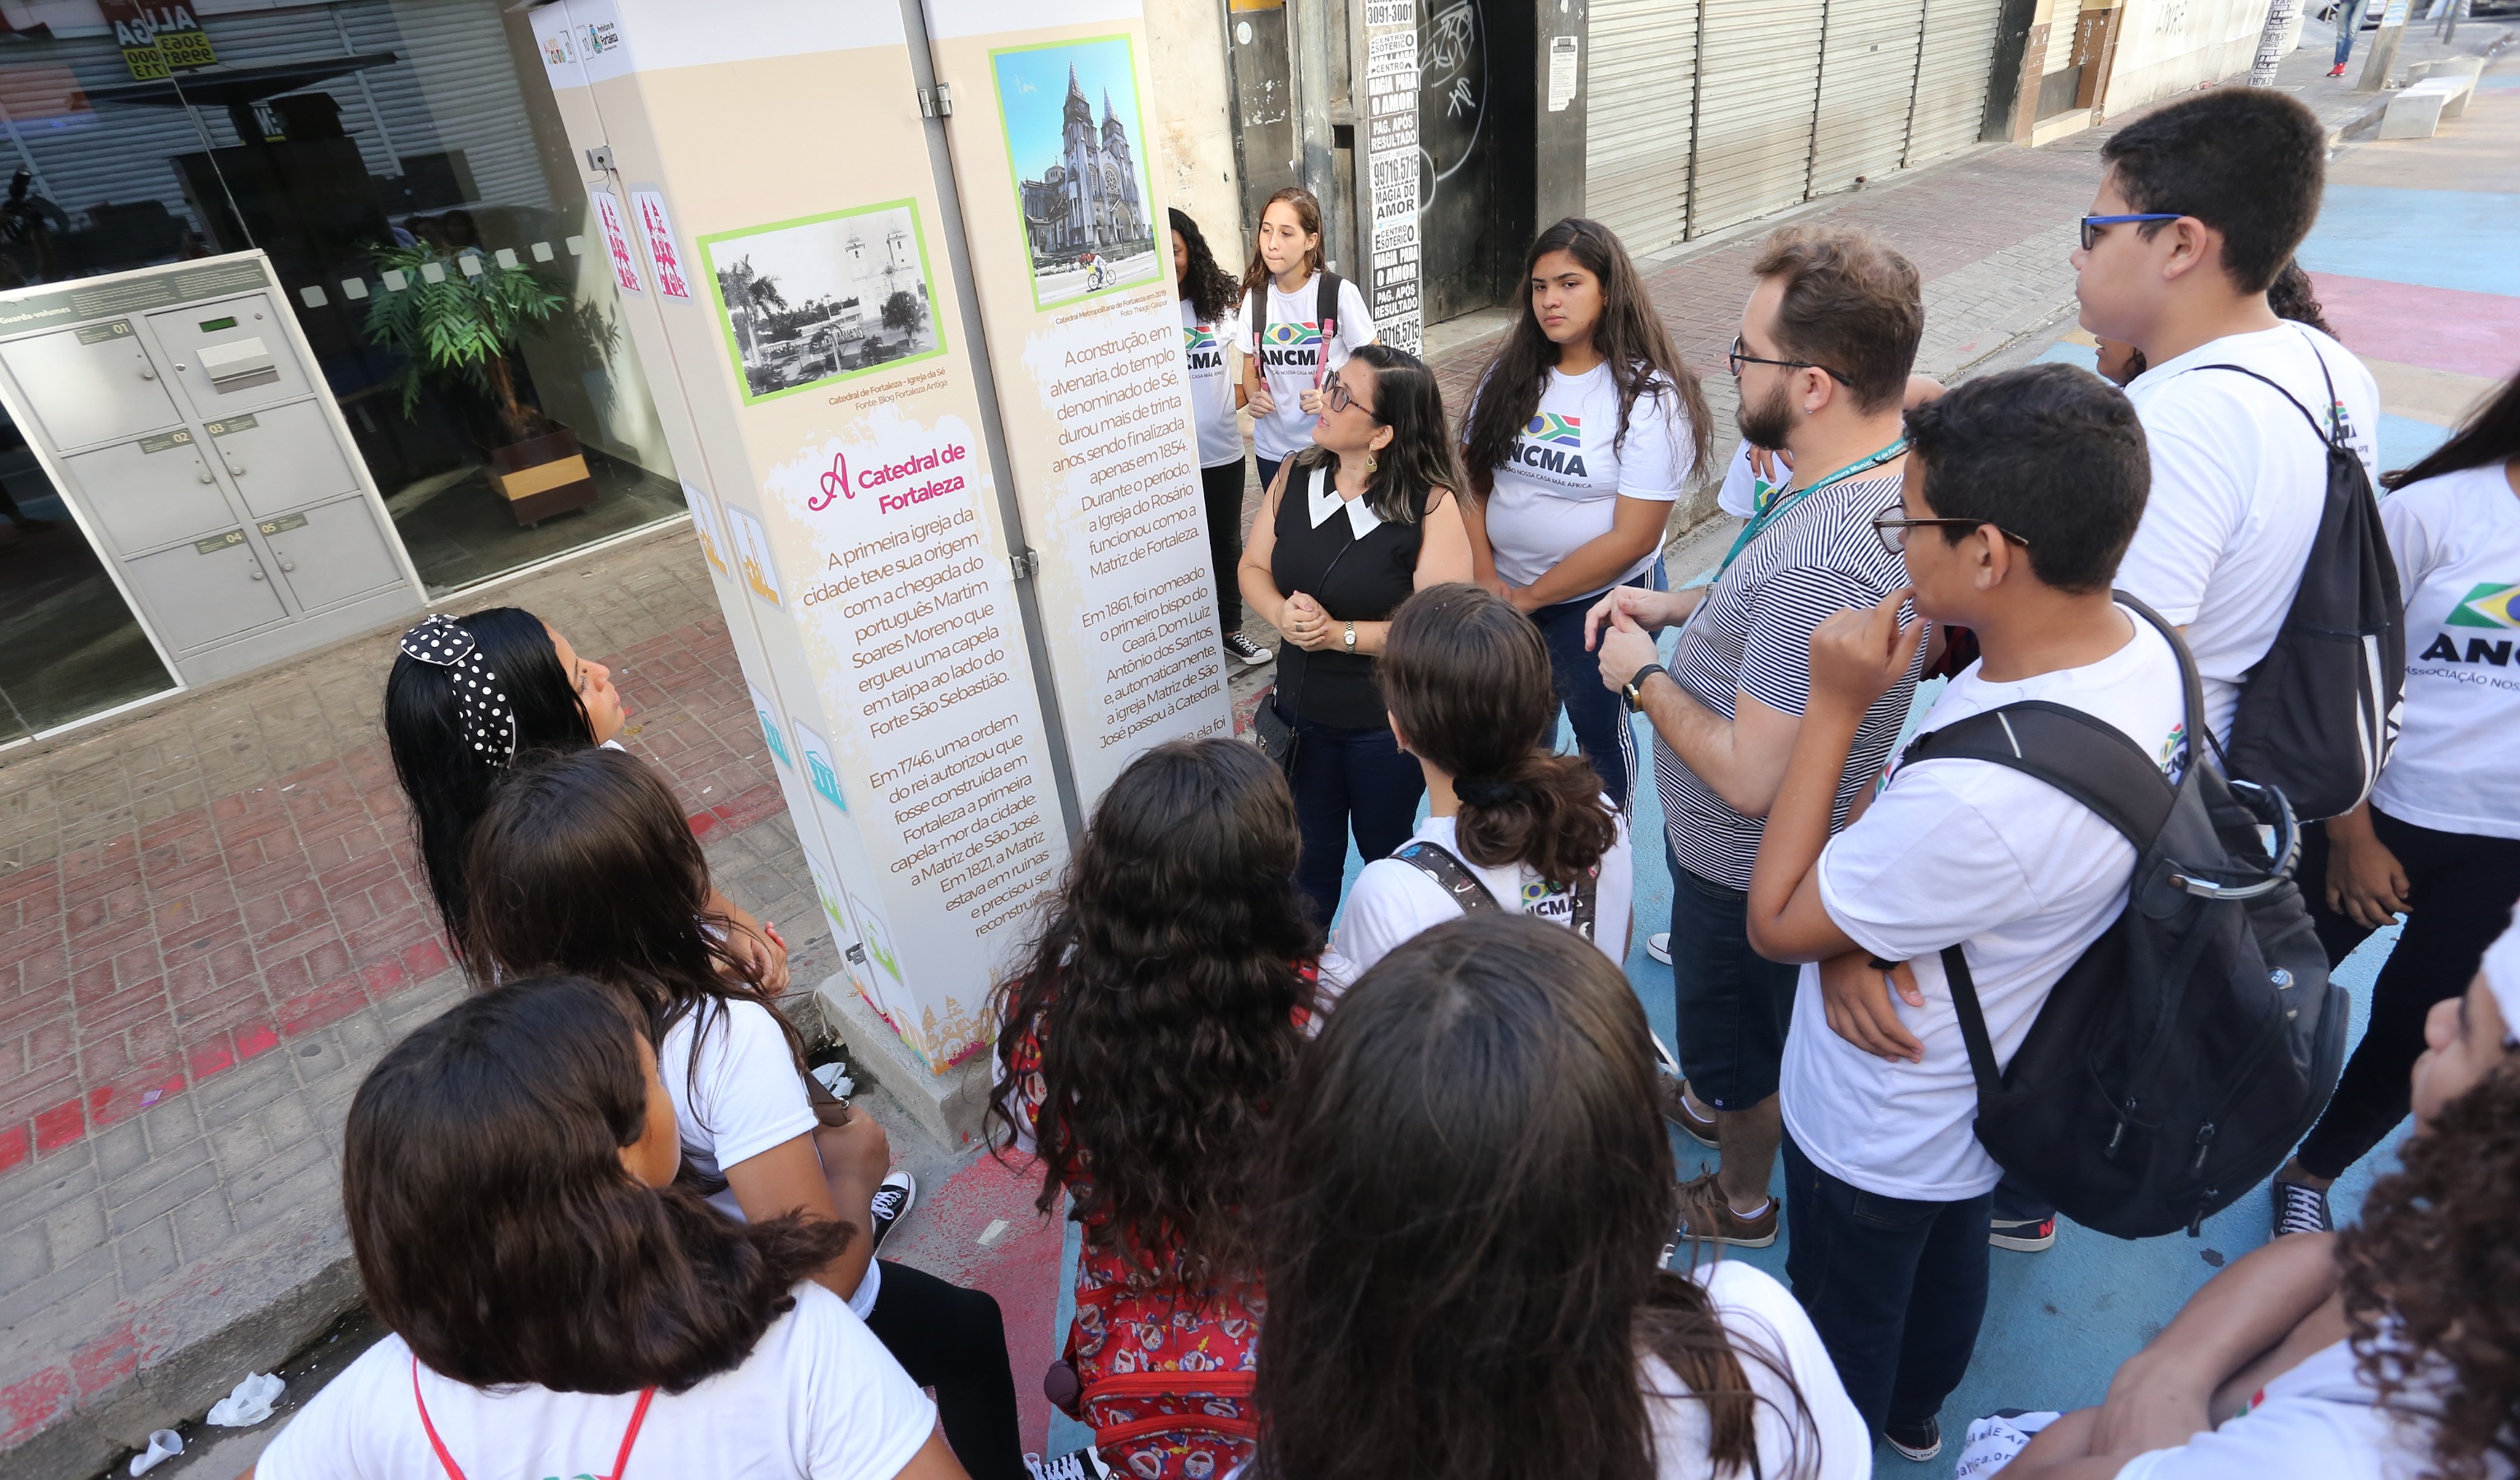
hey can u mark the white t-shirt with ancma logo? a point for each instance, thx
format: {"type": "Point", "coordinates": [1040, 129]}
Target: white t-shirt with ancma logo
{"type": "Point", "coordinates": [2456, 542]}
{"type": "Point", "coordinates": [1394, 901]}
{"type": "Point", "coordinates": [1291, 351]}
{"type": "Point", "coordinates": [817, 1399]}
{"type": "Point", "coordinates": [1559, 486]}
{"type": "Point", "coordinates": [1208, 350]}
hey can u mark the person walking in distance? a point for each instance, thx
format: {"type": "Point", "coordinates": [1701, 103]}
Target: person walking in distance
{"type": "Point", "coordinates": [2438, 841]}
{"type": "Point", "coordinates": [2021, 491]}
{"type": "Point", "coordinates": [1348, 529]}
{"type": "Point", "coordinates": [1212, 346]}
{"type": "Point", "coordinates": [1586, 427]}
{"type": "Point", "coordinates": [1822, 358]}
{"type": "Point", "coordinates": [1304, 321]}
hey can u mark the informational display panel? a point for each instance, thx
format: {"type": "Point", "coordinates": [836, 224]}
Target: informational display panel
{"type": "Point", "coordinates": [1072, 255]}
{"type": "Point", "coordinates": [795, 310]}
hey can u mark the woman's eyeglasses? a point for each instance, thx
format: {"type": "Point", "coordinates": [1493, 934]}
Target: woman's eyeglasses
{"type": "Point", "coordinates": [1893, 530]}
{"type": "Point", "coordinates": [1739, 355]}
{"type": "Point", "coordinates": [1338, 397]}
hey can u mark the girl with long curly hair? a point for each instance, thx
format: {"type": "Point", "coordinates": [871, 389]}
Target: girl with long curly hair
{"type": "Point", "coordinates": [1164, 1006]}
{"type": "Point", "coordinates": [2390, 1348]}
{"type": "Point", "coordinates": [1469, 1211]}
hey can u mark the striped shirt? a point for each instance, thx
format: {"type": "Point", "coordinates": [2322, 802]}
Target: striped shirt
{"type": "Point", "coordinates": [1752, 635]}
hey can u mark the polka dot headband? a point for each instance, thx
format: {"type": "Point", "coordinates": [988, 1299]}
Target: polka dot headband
{"type": "Point", "coordinates": [489, 721]}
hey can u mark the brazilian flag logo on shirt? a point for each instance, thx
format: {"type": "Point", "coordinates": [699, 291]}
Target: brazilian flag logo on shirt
{"type": "Point", "coordinates": [2488, 606]}
{"type": "Point", "coordinates": [1558, 431]}
{"type": "Point", "coordinates": [1288, 335]}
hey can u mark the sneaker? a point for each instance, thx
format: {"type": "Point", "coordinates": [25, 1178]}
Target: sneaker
{"type": "Point", "coordinates": [2338, 71]}
{"type": "Point", "coordinates": [1659, 946]}
{"type": "Point", "coordinates": [1706, 1217]}
{"type": "Point", "coordinates": [2300, 1209]}
{"type": "Point", "coordinates": [1920, 1440]}
{"type": "Point", "coordinates": [1078, 1464]}
{"type": "Point", "coordinates": [2022, 1235]}
{"type": "Point", "coordinates": [1236, 645]}
{"type": "Point", "coordinates": [1675, 1109]}
{"type": "Point", "coordinates": [893, 1201]}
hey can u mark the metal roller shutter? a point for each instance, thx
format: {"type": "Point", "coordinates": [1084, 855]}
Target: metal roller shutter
{"type": "Point", "coordinates": [1757, 92]}
{"type": "Point", "coordinates": [1636, 153]}
{"type": "Point", "coordinates": [1867, 74]}
{"type": "Point", "coordinates": [1951, 77]}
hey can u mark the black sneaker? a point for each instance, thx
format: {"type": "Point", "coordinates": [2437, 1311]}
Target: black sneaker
{"type": "Point", "coordinates": [2022, 1235]}
{"type": "Point", "coordinates": [1236, 645]}
{"type": "Point", "coordinates": [1920, 1440]}
{"type": "Point", "coordinates": [1076, 1464]}
{"type": "Point", "coordinates": [2300, 1209]}
{"type": "Point", "coordinates": [893, 1201]}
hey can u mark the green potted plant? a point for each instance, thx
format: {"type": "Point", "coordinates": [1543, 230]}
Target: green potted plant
{"type": "Point", "coordinates": [458, 319]}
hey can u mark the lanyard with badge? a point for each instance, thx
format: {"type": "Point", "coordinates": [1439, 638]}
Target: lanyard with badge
{"type": "Point", "coordinates": [1774, 508]}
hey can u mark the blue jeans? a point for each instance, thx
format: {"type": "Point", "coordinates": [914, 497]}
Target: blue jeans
{"type": "Point", "coordinates": [1349, 779]}
{"type": "Point", "coordinates": [1730, 1003]}
{"type": "Point", "coordinates": [1895, 1287]}
{"type": "Point", "coordinates": [1593, 711]}
{"type": "Point", "coordinates": [2349, 20]}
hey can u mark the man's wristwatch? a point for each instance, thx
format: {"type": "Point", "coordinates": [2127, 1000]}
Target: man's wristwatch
{"type": "Point", "coordinates": [1634, 688]}
{"type": "Point", "coordinates": [1350, 639]}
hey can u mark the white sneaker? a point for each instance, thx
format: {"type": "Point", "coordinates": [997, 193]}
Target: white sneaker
{"type": "Point", "coordinates": [894, 1197]}
{"type": "Point", "coordinates": [1079, 1464]}
{"type": "Point", "coordinates": [1659, 946]}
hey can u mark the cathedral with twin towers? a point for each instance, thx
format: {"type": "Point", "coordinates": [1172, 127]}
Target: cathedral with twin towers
{"type": "Point", "coordinates": [1088, 200]}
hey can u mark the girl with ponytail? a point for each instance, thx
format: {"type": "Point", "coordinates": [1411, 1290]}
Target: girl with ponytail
{"type": "Point", "coordinates": [1511, 826]}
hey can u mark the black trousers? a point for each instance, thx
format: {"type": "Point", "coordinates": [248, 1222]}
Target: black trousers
{"type": "Point", "coordinates": [2459, 892]}
{"type": "Point", "coordinates": [955, 1341]}
{"type": "Point", "coordinates": [1223, 486]}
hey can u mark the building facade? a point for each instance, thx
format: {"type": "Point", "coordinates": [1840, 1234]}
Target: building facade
{"type": "Point", "coordinates": [1089, 200]}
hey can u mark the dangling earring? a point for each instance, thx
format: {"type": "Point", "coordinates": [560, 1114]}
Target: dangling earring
{"type": "Point", "coordinates": [1370, 463]}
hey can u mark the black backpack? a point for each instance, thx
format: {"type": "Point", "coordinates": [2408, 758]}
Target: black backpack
{"type": "Point", "coordinates": [2176, 1063]}
{"type": "Point", "coordinates": [2318, 712]}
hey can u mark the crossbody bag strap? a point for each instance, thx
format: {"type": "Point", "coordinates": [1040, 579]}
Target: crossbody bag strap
{"type": "Point", "coordinates": [446, 1462]}
{"type": "Point", "coordinates": [1459, 884]}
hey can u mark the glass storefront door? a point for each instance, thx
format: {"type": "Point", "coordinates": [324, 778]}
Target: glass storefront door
{"type": "Point", "coordinates": [400, 163]}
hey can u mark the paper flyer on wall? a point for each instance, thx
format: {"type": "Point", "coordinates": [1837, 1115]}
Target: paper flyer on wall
{"type": "Point", "coordinates": [1072, 257]}
{"type": "Point", "coordinates": [833, 404]}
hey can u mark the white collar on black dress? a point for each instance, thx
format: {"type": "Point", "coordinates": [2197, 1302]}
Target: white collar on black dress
{"type": "Point", "coordinates": [1323, 501]}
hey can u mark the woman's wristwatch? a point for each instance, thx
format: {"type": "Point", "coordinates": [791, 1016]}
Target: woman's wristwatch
{"type": "Point", "coordinates": [1634, 688]}
{"type": "Point", "coordinates": [1350, 639]}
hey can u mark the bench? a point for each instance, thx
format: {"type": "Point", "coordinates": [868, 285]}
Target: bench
{"type": "Point", "coordinates": [2416, 112]}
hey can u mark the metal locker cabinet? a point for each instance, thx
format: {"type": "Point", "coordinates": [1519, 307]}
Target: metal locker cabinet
{"type": "Point", "coordinates": [231, 355]}
{"type": "Point", "coordinates": [1867, 78]}
{"type": "Point", "coordinates": [282, 459]}
{"type": "Point", "coordinates": [92, 385]}
{"type": "Point", "coordinates": [331, 553]}
{"type": "Point", "coordinates": [1635, 147]}
{"type": "Point", "coordinates": [1758, 86]}
{"type": "Point", "coordinates": [1958, 53]}
{"type": "Point", "coordinates": [205, 592]}
{"type": "Point", "coordinates": [151, 492]}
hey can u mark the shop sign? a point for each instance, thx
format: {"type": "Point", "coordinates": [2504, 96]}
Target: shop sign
{"type": "Point", "coordinates": [158, 39]}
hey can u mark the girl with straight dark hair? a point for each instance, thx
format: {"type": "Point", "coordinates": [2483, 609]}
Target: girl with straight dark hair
{"type": "Point", "coordinates": [2438, 839]}
{"type": "Point", "coordinates": [1510, 824]}
{"type": "Point", "coordinates": [583, 863]}
{"type": "Point", "coordinates": [1352, 525]}
{"type": "Point", "coordinates": [1213, 343]}
{"type": "Point", "coordinates": [558, 1304]}
{"type": "Point", "coordinates": [1471, 1198]}
{"type": "Point", "coordinates": [1164, 1005]}
{"type": "Point", "coordinates": [1296, 346]}
{"type": "Point", "coordinates": [1587, 427]}
{"type": "Point", "coordinates": [467, 696]}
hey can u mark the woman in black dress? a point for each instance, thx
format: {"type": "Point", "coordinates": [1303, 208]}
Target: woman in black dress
{"type": "Point", "coordinates": [1350, 528]}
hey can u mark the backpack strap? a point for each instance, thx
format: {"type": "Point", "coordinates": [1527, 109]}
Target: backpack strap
{"type": "Point", "coordinates": [2332, 433]}
{"type": "Point", "coordinates": [1460, 884]}
{"type": "Point", "coordinates": [1326, 299]}
{"type": "Point", "coordinates": [1587, 899]}
{"type": "Point", "coordinates": [1260, 326]}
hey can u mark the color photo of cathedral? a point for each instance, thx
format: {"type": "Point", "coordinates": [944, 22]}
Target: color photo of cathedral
{"type": "Point", "coordinates": [1082, 187]}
